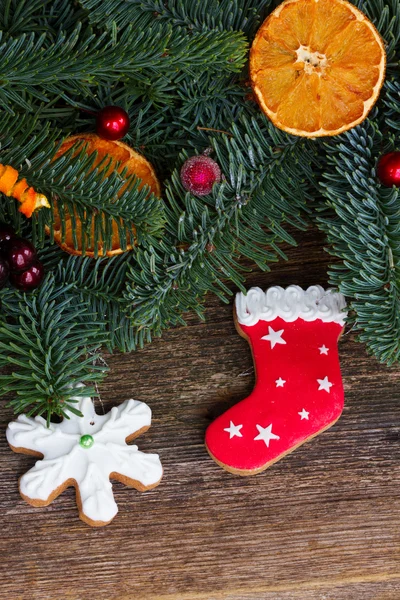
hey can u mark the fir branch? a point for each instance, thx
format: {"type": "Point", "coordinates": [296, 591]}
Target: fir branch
{"type": "Point", "coordinates": [99, 285]}
{"type": "Point", "coordinates": [49, 345]}
{"type": "Point", "coordinates": [39, 16]}
{"type": "Point", "coordinates": [244, 216]}
{"type": "Point", "coordinates": [209, 100]}
{"type": "Point", "coordinates": [392, 109]}
{"type": "Point", "coordinates": [195, 15]}
{"type": "Point", "coordinates": [26, 140]}
{"type": "Point", "coordinates": [97, 202]}
{"type": "Point", "coordinates": [72, 64]}
{"type": "Point", "coordinates": [363, 233]}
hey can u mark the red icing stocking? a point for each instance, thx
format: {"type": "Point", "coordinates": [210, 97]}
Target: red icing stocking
{"type": "Point", "coordinates": [293, 335]}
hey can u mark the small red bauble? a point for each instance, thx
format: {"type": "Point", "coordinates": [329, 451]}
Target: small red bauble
{"type": "Point", "coordinates": [20, 254]}
{"type": "Point", "coordinates": [112, 123]}
{"type": "Point", "coordinates": [30, 279]}
{"type": "Point", "coordinates": [198, 175]}
{"type": "Point", "coordinates": [388, 169]}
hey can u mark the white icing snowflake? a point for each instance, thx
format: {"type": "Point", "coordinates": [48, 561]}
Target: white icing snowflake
{"type": "Point", "coordinates": [85, 452]}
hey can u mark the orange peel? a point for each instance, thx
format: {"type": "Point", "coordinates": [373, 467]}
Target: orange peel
{"type": "Point", "coordinates": [11, 186]}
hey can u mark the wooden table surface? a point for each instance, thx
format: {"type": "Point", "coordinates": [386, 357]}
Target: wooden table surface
{"type": "Point", "coordinates": [323, 523]}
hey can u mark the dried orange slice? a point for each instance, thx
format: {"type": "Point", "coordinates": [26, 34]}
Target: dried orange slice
{"type": "Point", "coordinates": [129, 159]}
{"type": "Point", "coordinates": [317, 66]}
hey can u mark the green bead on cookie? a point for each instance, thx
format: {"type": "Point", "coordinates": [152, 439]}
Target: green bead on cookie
{"type": "Point", "coordinates": [86, 441]}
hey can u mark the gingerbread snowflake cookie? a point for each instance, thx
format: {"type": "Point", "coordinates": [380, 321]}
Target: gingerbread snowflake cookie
{"type": "Point", "coordinates": [298, 394]}
{"type": "Point", "coordinates": [85, 452]}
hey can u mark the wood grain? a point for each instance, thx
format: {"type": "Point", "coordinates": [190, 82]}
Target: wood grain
{"type": "Point", "coordinates": [322, 524]}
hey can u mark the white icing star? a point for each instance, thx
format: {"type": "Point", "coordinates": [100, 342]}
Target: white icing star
{"type": "Point", "coordinates": [234, 430]}
{"type": "Point", "coordinates": [323, 350]}
{"type": "Point", "coordinates": [324, 384]}
{"type": "Point", "coordinates": [86, 450]}
{"type": "Point", "coordinates": [274, 337]}
{"type": "Point", "coordinates": [280, 382]}
{"type": "Point", "coordinates": [266, 435]}
{"type": "Point", "coordinates": [303, 414]}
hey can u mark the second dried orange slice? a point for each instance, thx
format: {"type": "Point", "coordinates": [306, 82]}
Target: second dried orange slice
{"type": "Point", "coordinates": [317, 66]}
{"type": "Point", "coordinates": [127, 158]}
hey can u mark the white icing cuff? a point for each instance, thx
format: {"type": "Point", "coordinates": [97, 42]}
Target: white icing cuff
{"type": "Point", "coordinates": [290, 304]}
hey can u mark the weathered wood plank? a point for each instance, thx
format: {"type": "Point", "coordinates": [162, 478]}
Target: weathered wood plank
{"type": "Point", "coordinates": [322, 523]}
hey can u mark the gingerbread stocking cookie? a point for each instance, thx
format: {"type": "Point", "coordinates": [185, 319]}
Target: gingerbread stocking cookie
{"type": "Point", "coordinates": [293, 334]}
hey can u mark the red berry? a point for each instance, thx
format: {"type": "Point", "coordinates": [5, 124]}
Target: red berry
{"type": "Point", "coordinates": [4, 272]}
{"type": "Point", "coordinates": [30, 279]}
{"type": "Point", "coordinates": [20, 254]}
{"type": "Point", "coordinates": [112, 123]}
{"type": "Point", "coordinates": [389, 169]}
{"type": "Point", "coordinates": [199, 173]}
{"type": "Point", "coordinates": [7, 233]}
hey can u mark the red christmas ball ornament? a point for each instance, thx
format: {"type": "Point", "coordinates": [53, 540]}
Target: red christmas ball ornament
{"type": "Point", "coordinates": [112, 123]}
{"type": "Point", "coordinates": [199, 173]}
{"type": "Point", "coordinates": [388, 169]}
{"type": "Point", "coordinates": [30, 279]}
